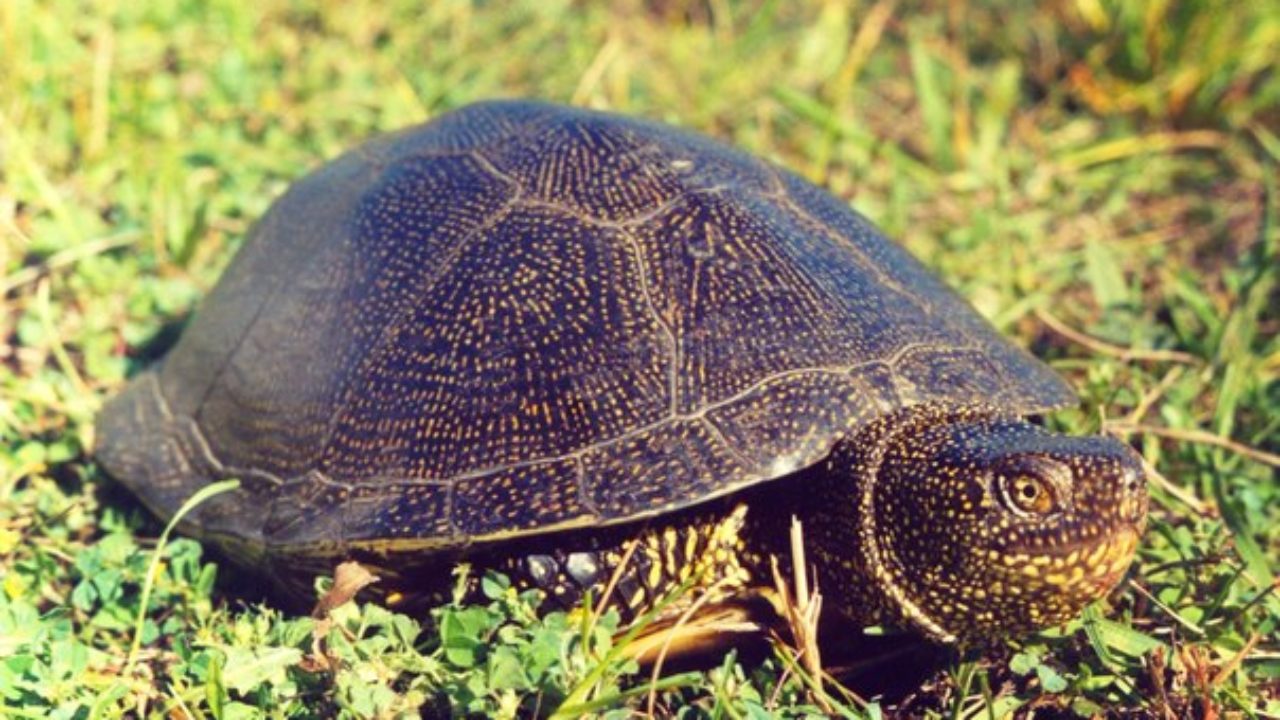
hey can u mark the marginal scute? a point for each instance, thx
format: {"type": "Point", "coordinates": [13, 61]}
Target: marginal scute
{"type": "Point", "coordinates": [394, 510]}
{"type": "Point", "coordinates": [141, 437]}
{"type": "Point", "coordinates": [130, 437]}
{"type": "Point", "coordinates": [671, 465]}
{"type": "Point", "coordinates": [305, 510]}
{"type": "Point", "coordinates": [519, 498]}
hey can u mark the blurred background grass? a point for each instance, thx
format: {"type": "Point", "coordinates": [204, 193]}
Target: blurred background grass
{"type": "Point", "coordinates": [1097, 176]}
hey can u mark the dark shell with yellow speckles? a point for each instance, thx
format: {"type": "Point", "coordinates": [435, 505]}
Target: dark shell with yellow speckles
{"type": "Point", "coordinates": [520, 318]}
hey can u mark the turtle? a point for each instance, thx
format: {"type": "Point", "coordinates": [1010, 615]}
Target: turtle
{"type": "Point", "coordinates": [599, 352]}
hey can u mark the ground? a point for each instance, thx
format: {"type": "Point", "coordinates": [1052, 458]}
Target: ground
{"type": "Point", "coordinates": [1098, 177]}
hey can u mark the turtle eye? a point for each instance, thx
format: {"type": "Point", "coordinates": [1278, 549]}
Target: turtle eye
{"type": "Point", "coordinates": [1028, 494]}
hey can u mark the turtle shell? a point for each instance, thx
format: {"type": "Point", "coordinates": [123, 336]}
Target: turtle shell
{"type": "Point", "coordinates": [522, 317]}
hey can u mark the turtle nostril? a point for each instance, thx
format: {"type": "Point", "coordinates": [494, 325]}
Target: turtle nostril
{"type": "Point", "coordinates": [1133, 481]}
{"type": "Point", "coordinates": [1132, 506]}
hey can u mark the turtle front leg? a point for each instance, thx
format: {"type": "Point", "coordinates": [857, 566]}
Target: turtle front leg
{"type": "Point", "coordinates": [664, 564]}
{"type": "Point", "coordinates": [687, 576]}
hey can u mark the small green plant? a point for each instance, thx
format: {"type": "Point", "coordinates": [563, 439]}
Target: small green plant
{"type": "Point", "coordinates": [1098, 177]}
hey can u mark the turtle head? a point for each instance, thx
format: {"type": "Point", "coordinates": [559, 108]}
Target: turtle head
{"type": "Point", "coordinates": [976, 524]}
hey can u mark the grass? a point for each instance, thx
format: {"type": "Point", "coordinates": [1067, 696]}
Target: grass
{"type": "Point", "coordinates": [1098, 177]}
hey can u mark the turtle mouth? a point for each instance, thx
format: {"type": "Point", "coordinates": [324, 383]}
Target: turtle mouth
{"type": "Point", "coordinates": [1093, 564]}
{"type": "Point", "coordinates": [1107, 562]}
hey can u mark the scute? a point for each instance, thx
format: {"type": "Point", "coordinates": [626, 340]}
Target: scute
{"type": "Point", "coordinates": [589, 168]}
{"type": "Point", "coordinates": [522, 317]}
{"type": "Point", "coordinates": [512, 355]}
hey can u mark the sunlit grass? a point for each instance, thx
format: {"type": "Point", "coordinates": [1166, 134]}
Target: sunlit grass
{"type": "Point", "coordinates": [1098, 177]}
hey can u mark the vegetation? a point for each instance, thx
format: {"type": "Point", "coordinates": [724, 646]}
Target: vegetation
{"type": "Point", "coordinates": [1099, 177]}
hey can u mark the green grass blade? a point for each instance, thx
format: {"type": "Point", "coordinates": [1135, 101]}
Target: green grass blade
{"type": "Point", "coordinates": [148, 582]}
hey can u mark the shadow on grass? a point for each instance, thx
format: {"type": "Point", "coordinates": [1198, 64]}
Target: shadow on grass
{"type": "Point", "coordinates": [150, 351]}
